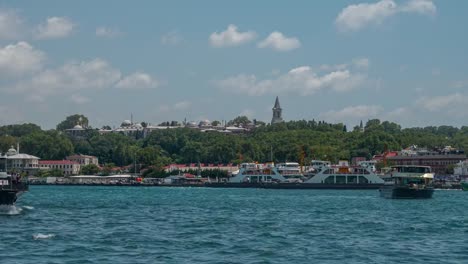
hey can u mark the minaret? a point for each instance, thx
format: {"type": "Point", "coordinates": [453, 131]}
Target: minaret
{"type": "Point", "coordinates": [277, 112]}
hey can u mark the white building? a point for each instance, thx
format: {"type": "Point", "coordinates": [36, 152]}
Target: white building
{"type": "Point", "coordinates": [20, 161]}
{"type": "Point", "coordinates": [68, 167]}
{"type": "Point", "coordinates": [461, 168]}
{"type": "Point", "coordinates": [84, 159]}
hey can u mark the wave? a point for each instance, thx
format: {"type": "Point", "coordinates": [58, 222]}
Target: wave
{"type": "Point", "coordinates": [10, 210]}
{"type": "Point", "coordinates": [28, 207]}
{"type": "Point", "coordinates": [42, 236]}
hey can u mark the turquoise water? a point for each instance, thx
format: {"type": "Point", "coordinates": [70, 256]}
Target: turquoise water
{"type": "Point", "coordinates": [79, 224]}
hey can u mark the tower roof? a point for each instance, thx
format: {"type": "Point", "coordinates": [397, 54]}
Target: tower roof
{"type": "Point", "coordinates": [277, 104]}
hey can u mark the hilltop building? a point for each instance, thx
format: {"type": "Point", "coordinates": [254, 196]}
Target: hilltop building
{"type": "Point", "coordinates": [277, 111]}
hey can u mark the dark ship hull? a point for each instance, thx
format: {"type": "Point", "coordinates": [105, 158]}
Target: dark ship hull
{"type": "Point", "coordinates": [8, 196]}
{"type": "Point", "coordinates": [397, 192]}
{"type": "Point", "coordinates": [299, 186]}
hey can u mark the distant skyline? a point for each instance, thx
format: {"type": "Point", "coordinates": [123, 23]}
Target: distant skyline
{"type": "Point", "coordinates": [339, 61]}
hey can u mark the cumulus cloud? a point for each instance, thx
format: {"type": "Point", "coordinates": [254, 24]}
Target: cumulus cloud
{"type": "Point", "coordinates": [11, 24]}
{"type": "Point", "coordinates": [137, 80]}
{"type": "Point", "coordinates": [302, 80]}
{"type": "Point", "coordinates": [440, 103]}
{"type": "Point", "coordinates": [171, 38]}
{"type": "Point", "coordinates": [353, 113]}
{"type": "Point", "coordinates": [357, 16]}
{"type": "Point", "coordinates": [277, 41]}
{"type": "Point", "coordinates": [107, 32]}
{"type": "Point", "coordinates": [55, 27]}
{"type": "Point", "coordinates": [73, 76]}
{"type": "Point", "coordinates": [231, 37]}
{"type": "Point", "coordinates": [19, 59]}
{"type": "Point", "coordinates": [425, 7]}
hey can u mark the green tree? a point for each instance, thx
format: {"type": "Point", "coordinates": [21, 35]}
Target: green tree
{"type": "Point", "coordinates": [72, 121]}
{"type": "Point", "coordinates": [90, 169]}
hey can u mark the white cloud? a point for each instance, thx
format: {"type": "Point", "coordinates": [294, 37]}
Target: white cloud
{"type": "Point", "coordinates": [302, 80]}
{"type": "Point", "coordinates": [55, 27]}
{"type": "Point", "coordinates": [426, 7]}
{"type": "Point", "coordinates": [107, 32]}
{"type": "Point", "coordinates": [11, 24]}
{"type": "Point", "coordinates": [21, 58]}
{"type": "Point", "coordinates": [362, 63]}
{"type": "Point", "coordinates": [441, 103]}
{"type": "Point", "coordinates": [171, 38]}
{"type": "Point", "coordinates": [74, 76]}
{"type": "Point", "coordinates": [231, 37]}
{"type": "Point", "coordinates": [277, 41]}
{"type": "Point", "coordinates": [79, 99]}
{"type": "Point", "coordinates": [353, 113]}
{"type": "Point", "coordinates": [137, 80]}
{"type": "Point", "coordinates": [358, 16]}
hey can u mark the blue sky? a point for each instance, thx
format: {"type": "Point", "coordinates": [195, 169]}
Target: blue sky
{"type": "Point", "coordinates": [339, 61]}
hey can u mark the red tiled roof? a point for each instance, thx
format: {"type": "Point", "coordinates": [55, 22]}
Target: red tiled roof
{"type": "Point", "coordinates": [57, 162]}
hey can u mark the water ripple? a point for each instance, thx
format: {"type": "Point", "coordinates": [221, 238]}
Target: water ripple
{"type": "Point", "coordinates": [76, 224]}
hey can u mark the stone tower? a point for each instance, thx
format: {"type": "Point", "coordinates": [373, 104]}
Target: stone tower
{"type": "Point", "coordinates": [277, 112]}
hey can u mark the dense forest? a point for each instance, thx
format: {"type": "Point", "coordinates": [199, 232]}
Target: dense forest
{"type": "Point", "coordinates": [290, 141]}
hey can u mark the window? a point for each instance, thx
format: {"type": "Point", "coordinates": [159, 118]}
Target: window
{"type": "Point", "coordinates": [330, 180]}
{"type": "Point", "coordinates": [340, 179]}
{"type": "Point", "coordinates": [352, 179]}
{"type": "Point", "coordinates": [363, 180]}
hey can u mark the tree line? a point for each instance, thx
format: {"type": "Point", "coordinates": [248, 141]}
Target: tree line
{"type": "Point", "coordinates": [300, 140]}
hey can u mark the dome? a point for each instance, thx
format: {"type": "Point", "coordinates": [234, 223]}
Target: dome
{"type": "Point", "coordinates": [77, 127]}
{"type": "Point", "coordinates": [11, 151]}
{"type": "Point", "coordinates": [205, 123]}
{"type": "Point", "coordinates": [126, 123]}
{"type": "Point", "coordinates": [138, 126]}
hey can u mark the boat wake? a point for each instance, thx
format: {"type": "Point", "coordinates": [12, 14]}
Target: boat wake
{"type": "Point", "coordinates": [10, 210]}
{"type": "Point", "coordinates": [42, 236]}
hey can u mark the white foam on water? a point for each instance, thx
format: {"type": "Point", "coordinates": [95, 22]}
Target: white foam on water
{"type": "Point", "coordinates": [10, 210]}
{"type": "Point", "coordinates": [42, 236]}
{"type": "Point", "coordinates": [28, 207]}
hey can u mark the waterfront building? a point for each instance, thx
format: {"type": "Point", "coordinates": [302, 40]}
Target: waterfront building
{"type": "Point", "coordinates": [440, 163]}
{"type": "Point", "coordinates": [68, 167]}
{"type": "Point", "coordinates": [83, 159]}
{"type": "Point", "coordinates": [461, 169]}
{"type": "Point", "coordinates": [21, 162]}
{"type": "Point", "coordinates": [277, 112]}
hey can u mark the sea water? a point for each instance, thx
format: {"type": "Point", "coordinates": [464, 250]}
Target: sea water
{"type": "Point", "coordinates": [80, 224]}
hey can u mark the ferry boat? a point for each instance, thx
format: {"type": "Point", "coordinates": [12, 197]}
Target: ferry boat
{"type": "Point", "coordinates": [11, 186]}
{"type": "Point", "coordinates": [322, 175]}
{"type": "Point", "coordinates": [408, 182]}
{"type": "Point", "coordinates": [291, 171]}
{"type": "Point", "coordinates": [251, 175]}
